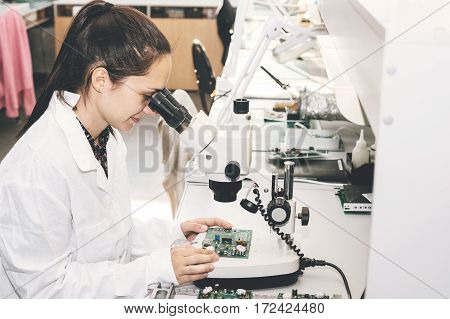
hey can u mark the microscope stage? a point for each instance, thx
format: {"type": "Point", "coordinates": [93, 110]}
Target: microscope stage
{"type": "Point", "coordinates": [269, 257]}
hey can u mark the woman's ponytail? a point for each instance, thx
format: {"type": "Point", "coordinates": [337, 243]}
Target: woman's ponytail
{"type": "Point", "coordinates": [119, 38]}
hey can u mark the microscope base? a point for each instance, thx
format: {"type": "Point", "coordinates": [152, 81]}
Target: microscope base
{"type": "Point", "coordinates": [250, 283]}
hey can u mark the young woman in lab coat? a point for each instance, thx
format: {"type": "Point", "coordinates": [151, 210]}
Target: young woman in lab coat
{"type": "Point", "coordinates": [65, 218]}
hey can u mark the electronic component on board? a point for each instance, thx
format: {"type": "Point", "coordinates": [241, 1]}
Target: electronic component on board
{"type": "Point", "coordinates": [234, 243]}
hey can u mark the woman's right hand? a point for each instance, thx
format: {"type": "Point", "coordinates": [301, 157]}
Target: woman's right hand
{"type": "Point", "coordinates": [191, 264]}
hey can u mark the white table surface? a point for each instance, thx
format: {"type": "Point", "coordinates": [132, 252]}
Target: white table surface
{"type": "Point", "coordinates": [331, 235]}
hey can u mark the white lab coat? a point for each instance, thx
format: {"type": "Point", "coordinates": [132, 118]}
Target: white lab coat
{"type": "Point", "coordinates": [66, 229]}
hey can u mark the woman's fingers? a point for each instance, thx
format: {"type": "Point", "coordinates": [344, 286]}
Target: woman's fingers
{"type": "Point", "coordinates": [193, 226]}
{"type": "Point", "coordinates": [190, 251]}
{"type": "Point", "coordinates": [197, 269]}
{"type": "Point", "coordinates": [222, 223]}
{"type": "Point", "coordinates": [214, 222]}
{"type": "Point", "coordinates": [189, 261]}
{"type": "Point", "coordinates": [190, 278]}
{"type": "Point", "coordinates": [201, 259]}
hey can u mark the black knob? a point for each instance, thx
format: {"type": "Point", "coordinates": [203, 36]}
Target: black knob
{"type": "Point", "coordinates": [305, 216]}
{"type": "Point", "coordinates": [241, 106]}
{"type": "Point", "coordinates": [249, 206]}
{"type": "Point", "coordinates": [232, 170]}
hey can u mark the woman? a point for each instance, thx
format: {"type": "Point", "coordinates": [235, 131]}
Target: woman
{"type": "Point", "coordinates": [65, 224]}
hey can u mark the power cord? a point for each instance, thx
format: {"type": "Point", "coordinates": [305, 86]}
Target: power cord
{"type": "Point", "coordinates": [308, 263]}
{"type": "Point", "coordinates": [304, 261]}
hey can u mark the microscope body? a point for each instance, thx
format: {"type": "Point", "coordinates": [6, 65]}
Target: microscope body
{"type": "Point", "coordinates": [223, 153]}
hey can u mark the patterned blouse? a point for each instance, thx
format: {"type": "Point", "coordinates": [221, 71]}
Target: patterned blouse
{"type": "Point", "coordinates": [100, 148]}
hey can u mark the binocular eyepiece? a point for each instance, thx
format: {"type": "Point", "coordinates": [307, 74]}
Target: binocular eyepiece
{"type": "Point", "coordinates": [175, 114]}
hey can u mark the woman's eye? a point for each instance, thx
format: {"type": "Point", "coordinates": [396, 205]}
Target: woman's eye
{"type": "Point", "coordinates": [147, 98]}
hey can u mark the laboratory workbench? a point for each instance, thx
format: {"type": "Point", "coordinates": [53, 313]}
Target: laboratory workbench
{"type": "Point", "coordinates": [331, 235]}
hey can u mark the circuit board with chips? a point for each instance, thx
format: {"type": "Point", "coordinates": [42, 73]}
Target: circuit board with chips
{"type": "Point", "coordinates": [232, 243]}
{"type": "Point", "coordinates": [217, 293]}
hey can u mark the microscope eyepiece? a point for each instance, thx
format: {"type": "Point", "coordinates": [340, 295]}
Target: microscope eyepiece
{"type": "Point", "coordinates": [175, 114]}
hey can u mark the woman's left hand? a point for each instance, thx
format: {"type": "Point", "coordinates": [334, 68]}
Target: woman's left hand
{"type": "Point", "coordinates": [191, 228]}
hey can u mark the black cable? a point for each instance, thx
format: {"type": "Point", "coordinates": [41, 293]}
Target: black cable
{"type": "Point", "coordinates": [347, 287]}
{"type": "Point", "coordinates": [308, 263]}
{"type": "Point", "coordinates": [304, 262]}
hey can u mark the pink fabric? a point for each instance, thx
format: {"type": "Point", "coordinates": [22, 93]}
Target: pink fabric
{"type": "Point", "coordinates": [16, 71]}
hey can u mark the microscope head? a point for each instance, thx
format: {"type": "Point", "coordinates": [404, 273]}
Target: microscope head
{"type": "Point", "coordinates": [175, 114]}
{"type": "Point", "coordinates": [210, 144]}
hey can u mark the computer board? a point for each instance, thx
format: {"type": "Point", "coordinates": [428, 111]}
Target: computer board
{"type": "Point", "coordinates": [232, 243]}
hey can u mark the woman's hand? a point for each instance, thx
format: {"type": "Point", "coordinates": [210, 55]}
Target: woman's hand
{"type": "Point", "coordinates": [191, 264]}
{"type": "Point", "coordinates": [191, 228]}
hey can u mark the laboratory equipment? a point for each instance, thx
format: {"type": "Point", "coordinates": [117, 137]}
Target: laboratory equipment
{"type": "Point", "coordinates": [224, 153]}
{"type": "Point", "coordinates": [224, 156]}
{"type": "Point", "coordinates": [360, 154]}
{"type": "Point", "coordinates": [274, 28]}
{"type": "Point", "coordinates": [276, 259]}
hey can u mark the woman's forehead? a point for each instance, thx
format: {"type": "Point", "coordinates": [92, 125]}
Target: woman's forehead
{"type": "Point", "coordinates": [155, 79]}
{"type": "Point", "coordinates": [159, 72]}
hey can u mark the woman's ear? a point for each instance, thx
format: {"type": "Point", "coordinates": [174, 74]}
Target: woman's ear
{"type": "Point", "coordinates": [100, 80]}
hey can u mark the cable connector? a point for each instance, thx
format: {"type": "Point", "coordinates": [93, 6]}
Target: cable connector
{"type": "Point", "coordinates": [308, 263]}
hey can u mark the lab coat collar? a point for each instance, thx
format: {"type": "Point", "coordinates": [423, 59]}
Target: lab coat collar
{"type": "Point", "coordinates": [77, 141]}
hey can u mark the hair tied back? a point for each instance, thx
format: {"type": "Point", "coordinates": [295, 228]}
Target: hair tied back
{"type": "Point", "coordinates": [107, 6]}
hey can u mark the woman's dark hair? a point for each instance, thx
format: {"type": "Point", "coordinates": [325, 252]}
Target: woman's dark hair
{"type": "Point", "coordinates": [121, 39]}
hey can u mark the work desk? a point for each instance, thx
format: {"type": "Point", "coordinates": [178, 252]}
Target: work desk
{"type": "Point", "coordinates": [331, 235]}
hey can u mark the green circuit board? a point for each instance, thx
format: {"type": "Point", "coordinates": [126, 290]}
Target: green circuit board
{"type": "Point", "coordinates": [216, 293]}
{"type": "Point", "coordinates": [231, 243]}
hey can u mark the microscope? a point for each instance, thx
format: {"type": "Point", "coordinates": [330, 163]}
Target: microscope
{"type": "Point", "coordinates": [224, 154]}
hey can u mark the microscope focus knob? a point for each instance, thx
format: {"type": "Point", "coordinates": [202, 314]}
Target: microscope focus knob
{"type": "Point", "coordinates": [279, 211]}
{"type": "Point", "coordinates": [304, 216]}
{"type": "Point", "coordinates": [232, 170]}
{"type": "Point", "coordinates": [249, 206]}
